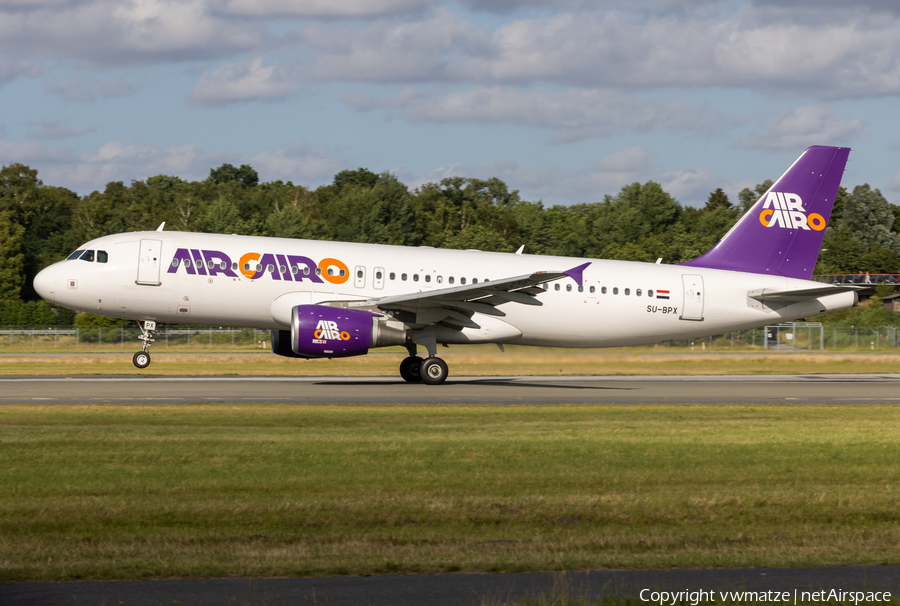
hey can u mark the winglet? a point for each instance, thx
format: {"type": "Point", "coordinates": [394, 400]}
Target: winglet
{"type": "Point", "coordinates": [576, 273]}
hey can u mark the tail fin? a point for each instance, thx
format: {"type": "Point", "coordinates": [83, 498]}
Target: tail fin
{"type": "Point", "coordinates": [782, 233]}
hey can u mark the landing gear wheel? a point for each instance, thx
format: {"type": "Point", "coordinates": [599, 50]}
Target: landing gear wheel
{"type": "Point", "coordinates": [141, 359]}
{"type": "Point", "coordinates": [434, 371]}
{"type": "Point", "coordinates": [409, 369]}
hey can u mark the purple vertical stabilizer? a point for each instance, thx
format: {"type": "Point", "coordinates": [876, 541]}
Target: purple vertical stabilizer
{"type": "Point", "coordinates": [782, 233]}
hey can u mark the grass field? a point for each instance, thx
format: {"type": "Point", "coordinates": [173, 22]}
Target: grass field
{"type": "Point", "coordinates": [129, 492]}
{"type": "Point", "coordinates": [469, 361]}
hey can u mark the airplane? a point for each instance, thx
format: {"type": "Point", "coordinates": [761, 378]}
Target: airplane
{"type": "Point", "coordinates": [337, 299]}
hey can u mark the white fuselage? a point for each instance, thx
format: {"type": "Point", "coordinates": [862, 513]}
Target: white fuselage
{"type": "Point", "coordinates": [619, 311]}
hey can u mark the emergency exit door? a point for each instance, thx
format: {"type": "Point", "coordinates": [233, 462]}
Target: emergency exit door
{"type": "Point", "coordinates": [692, 307]}
{"type": "Point", "coordinates": [149, 262]}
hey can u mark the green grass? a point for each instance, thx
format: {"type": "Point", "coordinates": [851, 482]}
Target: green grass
{"type": "Point", "coordinates": [470, 361]}
{"type": "Point", "coordinates": [128, 492]}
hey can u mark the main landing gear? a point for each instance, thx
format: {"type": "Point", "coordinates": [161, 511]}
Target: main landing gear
{"type": "Point", "coordinates": [431, 371]}
{"type": "Point", "coordinates": [142, 358]}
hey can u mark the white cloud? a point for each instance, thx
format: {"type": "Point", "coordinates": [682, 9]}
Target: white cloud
{"type": "Point", "coordinates": [102, 33]}
{"type": "Point", "coordinates": [804, 126]}
{"type": "Point", "coordinates": [244, 81]}
{"type": "Point", "coordinates": [573, 115]}
{"type": "Point", "coordinates": [325, 9]}
{"type": "Point", "coordinates": [117, 161]}
{"type": "Point", "coordinates": [53, 129]}
{"type": "Point", "coordinates": [88, 90]}
{"type": "Point", "coordinates": [554, 184]}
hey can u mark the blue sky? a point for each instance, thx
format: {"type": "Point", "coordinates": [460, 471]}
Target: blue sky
{"type": "Point", "coordinates": [566, 100]}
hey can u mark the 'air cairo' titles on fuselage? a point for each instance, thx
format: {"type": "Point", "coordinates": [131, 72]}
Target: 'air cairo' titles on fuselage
{"type": "Point", "coordinates": [253, 265]}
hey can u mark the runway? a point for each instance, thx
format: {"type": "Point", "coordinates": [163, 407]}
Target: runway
{"type": "Point", "coordinates": [733, 389]}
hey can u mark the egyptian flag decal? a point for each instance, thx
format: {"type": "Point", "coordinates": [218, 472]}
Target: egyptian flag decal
{"type": "Point", "coordinates": [662, 294]}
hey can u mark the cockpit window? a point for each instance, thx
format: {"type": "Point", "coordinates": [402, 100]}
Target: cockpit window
{"type": "Point", "coordinates": [75, 255]}
{"type": "Point", "coordinates": [88, 256]}
{"type": "Point", "coordinates": [102, 257]}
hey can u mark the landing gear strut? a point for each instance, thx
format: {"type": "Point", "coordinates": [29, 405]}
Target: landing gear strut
{"type": "Point", "coordinates": [142, 358]}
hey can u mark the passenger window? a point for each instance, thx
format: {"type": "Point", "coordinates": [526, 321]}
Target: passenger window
{"type": "Point", "coordinates": [428, 277]}
{"type": "Point", "coordinates": [451, 280]}
{"type": "Point", "coordinates": [415, 277]}
{"type": "Point", "coordinates": [295, 270]}
{"type": "Point", "coordinates": [403, 277]}
{"type": "Point", "coordinates": [440, 279]}
{"type": "Point", "coordinates": [649, 293]}
{"type": "Point", "coordinates": [359, 273]}
{"type": "Point", "coordinates": [88, 256]}
{"type": "Point", "coordinates": [174, 262]}
{"type": "Point", "coordinates": [603, 290]}
{"type": "Point", "coordinates": [270, 268]}
{"type": "Point", "coordinates": [102, 257]}
{"type": "Point", "coordinates": [556, 287]}
{"type": "Point", "coordinates": [627, 291]}
{"type": "Point", "coordinates": [306, 271]}
{"type": "Point", "coordinates": [638, 292]}
{"type": "Point", "coordinates": [330, 271]}
{"type": "Point", "coordinates": [568, 288]}
{"type": "Point", "coordinates": [319, 271]}
{"type": "Point", "coordinates": [246, 267]}
{"type": "Point", "coordinates": [377, 275]}
{"type": "Point", "coordinates": [462, 280]}
{"type": "Point", "coordinates": [593, 289]}
{"type": "Point", "coordinates": [75, 255]}
{"type": "Point", "coordinates": [210, 264]}
{"type": "Point", "coordinates": [234, 266]}
{"type": "Point", "coordinates": [580, 288]}
{"type": "Point", "coordinates": [615, 290]}
{"type": "Point", "coordinates": [392, 275]}
{"type": "Point", "coordinates": [474, 280]}
{"type": "Point", "coordinates": [281, 269]}
{"type": "Point", "coordinates": [343, 273]}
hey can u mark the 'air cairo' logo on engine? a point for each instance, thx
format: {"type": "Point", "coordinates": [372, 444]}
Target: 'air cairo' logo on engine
{"type": "Point", "coordinates": [786, 211]}
{"type": "Point", "coordinates": [327, 329]}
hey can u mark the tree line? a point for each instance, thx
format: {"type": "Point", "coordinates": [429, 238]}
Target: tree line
{"type": "Point", "coordinates": [41, 224]}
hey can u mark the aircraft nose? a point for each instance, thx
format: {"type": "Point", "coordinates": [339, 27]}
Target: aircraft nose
{"type": "Point", "coordinates": [45, 283]}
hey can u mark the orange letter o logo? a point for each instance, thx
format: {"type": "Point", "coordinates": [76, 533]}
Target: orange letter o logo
{"type": "Point", "coordinates": [345, 335]}
{"type": "Point", "coordinates": [325, 264]}
{"type": "Point", "coordinates": [248, 273]}
{"type": "Point", "coordinates": [765, 216]}
{"type": "Point", "coordinates": [816, 221]}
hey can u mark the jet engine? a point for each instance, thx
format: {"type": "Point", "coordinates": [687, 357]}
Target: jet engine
{"type": "Point", "coordinates": [319, 331]}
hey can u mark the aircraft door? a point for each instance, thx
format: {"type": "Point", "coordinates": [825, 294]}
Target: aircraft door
{"type": "Point", "coordinates": [378, 280]}
{"type": "Point", "coordinates": [693, 297]}
{"type": "Point", "coordinates": [149, 262]}
{"type": "Point", "coordinates": [360, 276]}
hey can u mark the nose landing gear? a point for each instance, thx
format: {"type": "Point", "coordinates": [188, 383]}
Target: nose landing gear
{"type": "Point", "coordinates": [142, 358]}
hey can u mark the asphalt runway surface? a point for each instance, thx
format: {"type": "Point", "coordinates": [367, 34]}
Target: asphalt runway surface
{"type": "Point", "coordinates": [780, 389]}
{"type": "Point", "coordinates": [453, 589]}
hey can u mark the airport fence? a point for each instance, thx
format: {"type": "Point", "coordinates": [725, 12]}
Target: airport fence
{"type": "Point", "coordinates": [126, 337]}
{"type": "Point", "coordinates": [797, 336]}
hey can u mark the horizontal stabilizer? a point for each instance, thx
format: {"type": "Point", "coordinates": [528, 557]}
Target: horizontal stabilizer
{"type": "Point", "coordinates": [800, 295]}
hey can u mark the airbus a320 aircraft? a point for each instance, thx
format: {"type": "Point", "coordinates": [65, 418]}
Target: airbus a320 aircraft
{"type": "Point", "coordinates": [335, 299]}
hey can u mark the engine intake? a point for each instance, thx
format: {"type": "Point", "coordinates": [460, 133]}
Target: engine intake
{"type": "Point", "coordinates": [318, 331]}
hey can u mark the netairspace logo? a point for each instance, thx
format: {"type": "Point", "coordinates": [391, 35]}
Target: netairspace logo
{"type": "Point", "coordinates": [694, 598]}
{"type": "Point", "coordinates": [786, 211]}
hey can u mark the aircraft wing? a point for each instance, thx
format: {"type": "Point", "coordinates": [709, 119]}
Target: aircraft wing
{"type": "Point", "coordinates": [455, 306]}
{"type": "Point", "coordinates": [800, 295]}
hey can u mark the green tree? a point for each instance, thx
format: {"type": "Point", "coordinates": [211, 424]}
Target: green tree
{"type": "Point", "coordinates": [12, 258]}
{"type": "Point", "coordinates": [868, 216]}
{"type": "Point", "coordinates": [227, 173]}
{"type": "Point", "coordinates": [717, 199]}
{"type": "Point", "coordinates": [748, 197]}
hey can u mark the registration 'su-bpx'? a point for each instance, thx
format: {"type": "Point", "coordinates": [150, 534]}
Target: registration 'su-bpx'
{"type": "Point", "coordinates": [335, 299]}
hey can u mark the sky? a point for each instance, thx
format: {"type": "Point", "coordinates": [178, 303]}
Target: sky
{"type": "Point", "coordinates": [565, 100]}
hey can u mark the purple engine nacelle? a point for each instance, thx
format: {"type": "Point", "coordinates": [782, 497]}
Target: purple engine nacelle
{"type": "Point", "coordinates": [318, 331]}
